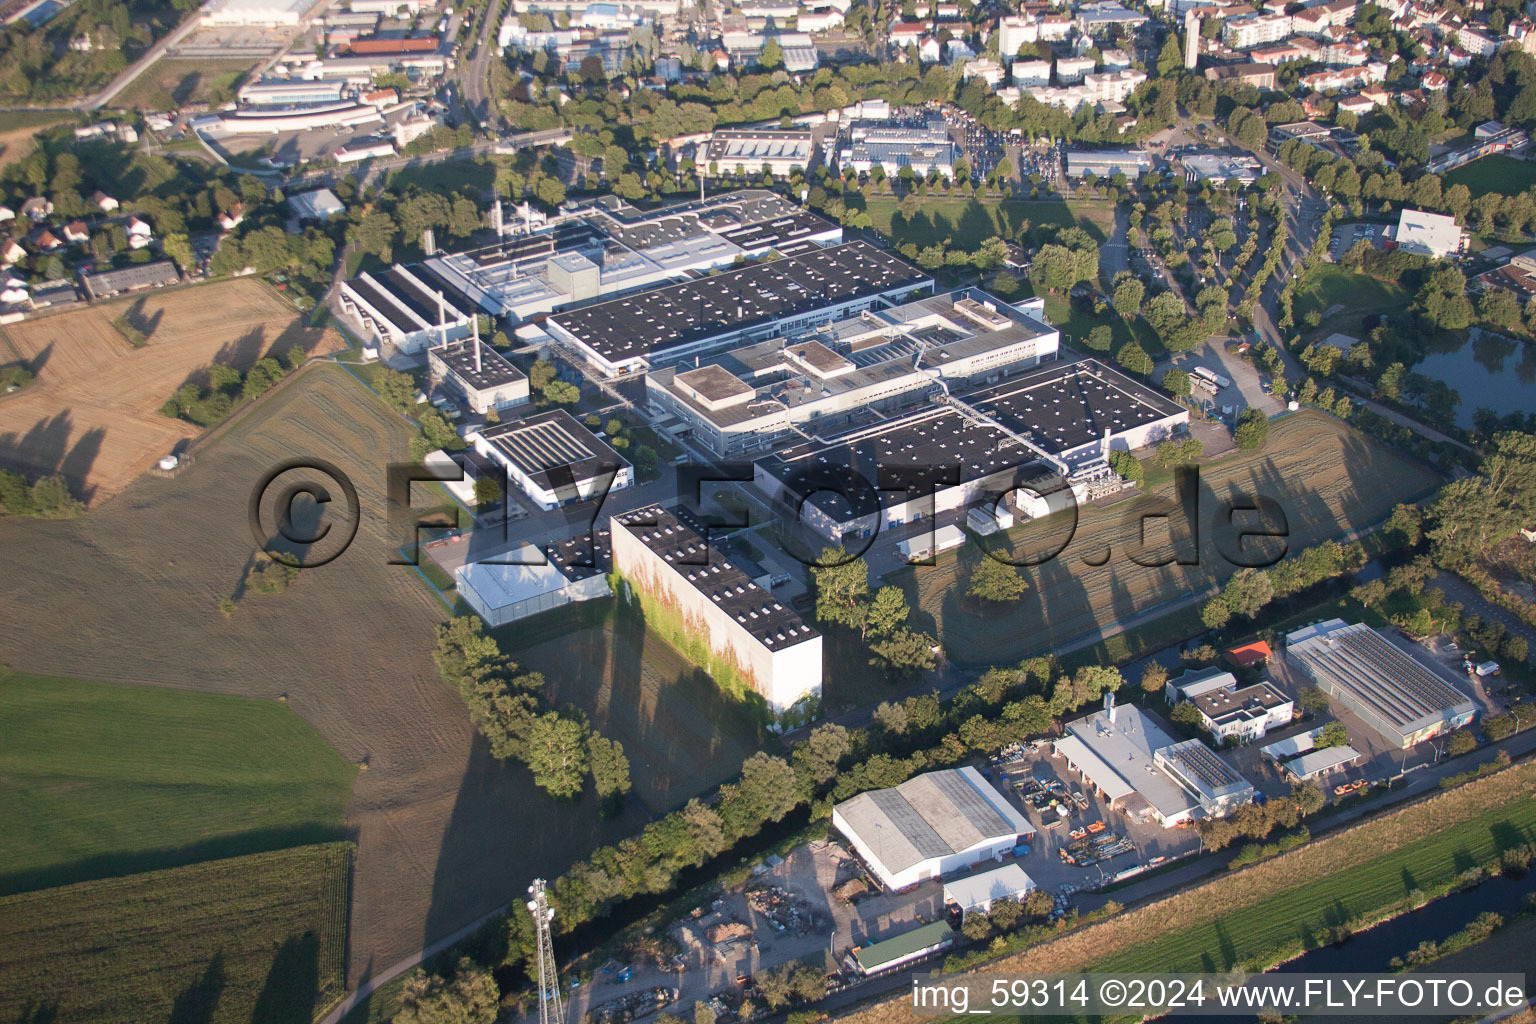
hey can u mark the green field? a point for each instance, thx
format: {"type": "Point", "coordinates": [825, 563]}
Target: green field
{"type": "Point", "coordinates": [171, 82]}
{"type": "Point", "coordinates": [1327, 478]}
{"type": "Point", "coordinates": [966, 223]}
{"type": "Point", "coordinates": [102, 779]}
{"type": "Point", "coordinates": [1331, 285]}
{"type": "Point", "coordinates": [259, 939]}
{"type": "Point", "coordinates": [1261, 933]}
{"type": "Point", "coordinates": [1496, 173]}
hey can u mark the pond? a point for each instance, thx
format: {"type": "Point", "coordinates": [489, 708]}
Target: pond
{"type": "Point", "coordinates": [1488, 371]}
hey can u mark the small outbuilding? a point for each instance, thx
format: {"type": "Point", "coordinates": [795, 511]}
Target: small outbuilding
{"type": "Point", "coordinates": [979, 892]}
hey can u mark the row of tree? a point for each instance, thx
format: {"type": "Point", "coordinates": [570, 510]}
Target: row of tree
{"type": "Point", "coordinates": [207, 403]}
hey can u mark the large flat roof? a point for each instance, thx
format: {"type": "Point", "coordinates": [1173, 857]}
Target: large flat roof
{"type": "Point", "coordinates": [492, 371]}
{"type": "Point", "coordinates": [663, 318]}
{"type": "Point", "coordinates": [997, 884]}
{"type": "Point", "coordinates": [1072, 404]}
{"type": "Point", "coordinates": [681, 540]}
{"type": "Point", "coordinates": [1125, 745]}
{"type": "Point", "coordinates": [933, 815]}
{"type": "Point", "coordinates": [553, 449]}
{"type": "Point", "coordinates": [1246, 704]}
{"type": "Point", "coordinates": [1317, 761]}
{"type": "Point", "coordinates": [1368, 670]}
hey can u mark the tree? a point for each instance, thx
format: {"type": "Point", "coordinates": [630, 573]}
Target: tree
{"type": "Point", "coordinates": [1248, 591]}
{"type": "Point", "coordinates": [1313, 700]}
{"type": "Point", "coordinates": [1215, 613]}
{"type": "Point", "coordinates": [1252, 428]}
{"type": "Point", "coordinates": [1170, 60]}
{"type": "Point", "coordinates": [1153, 678]}
{"type": "Point", "coordinates": [1188, 716]}
{"type": "Point", "coordinates": [991, 580]}
{"type": "Point", "coordinates": [1038, 903]}
{"type": "Point", "coordinates": [557, 755]}
{"type": "Point", "coordinates": [841, 589]}
{"type": "Point", "coordinates": [1176, 382]}
{"type": "Point", "coordinates": [1129, 291]}
{"type": "Point", "coordinates": [887, 612]}
{"type": "Point", "coordinates": [817, 758]}
{"type": "Point", "coordinates": [772, 56]}
{"type": "Point", "coordinates": [1133, 358]}
{"type": "Point", "coordinates": [905, 650]}
{"type": "Point", "coordinates": [1100, 338]}
{"type": "Point", "coordinates": [1309, 798]}
{"type": "Point", "coordinates": [610, 768]}
{"type": "Point", "coordinates": [1334, 734]}
{"type": "Point", "coordinates": [1461, 742]}
{"type": "Point", "coordinates": [471, 996]}
{"type": "Point", "coordinates": [179, 249]}
{"type": "Point", "coordinates": [397, 389]}
{"type": "Point", "coordinates": [1127, 465]}
{"type": "Point", "coordinates": [765, 792]}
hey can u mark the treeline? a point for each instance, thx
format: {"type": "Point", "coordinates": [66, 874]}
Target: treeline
{"type": "Point", "coordinates": [433, 431]}
{"type": "Point", "coordinates": [1248, 591]}
{"type": "Point", "coordinates": [47, 497]}
{"type": "Point", "coordinates": [209, 403]}
{"type": "Point", "coordinates": [508, 708]}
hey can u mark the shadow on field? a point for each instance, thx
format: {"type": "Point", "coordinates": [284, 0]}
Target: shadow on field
{"type": "Point", "coordinates": [48, 452]}
{"type": "Point", "coordinates": [119, 864]}
{"type": "Point", "coordinates": [288, 995]}
{"type": "Point", "coordinates": [196, 1003]}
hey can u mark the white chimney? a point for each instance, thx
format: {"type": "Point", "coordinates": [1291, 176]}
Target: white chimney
{"type": "Point", "coordinates": [474, 318]}
{"type": "Point", "coordinates": [1109, 705]}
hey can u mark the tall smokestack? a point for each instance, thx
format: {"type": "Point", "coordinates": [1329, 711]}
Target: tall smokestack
{"type": "Point", "coordinates": [1191, 39]}
{"type": "Point", "coordinates": [475, 319]}
{"type": "Point", "coordinates": [1109, 705]}
{"type": "Point", "coordinates": [442, 321]}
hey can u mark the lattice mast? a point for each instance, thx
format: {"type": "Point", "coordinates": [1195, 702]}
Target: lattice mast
{"type": "Point", "coordinates": [551, 1010]}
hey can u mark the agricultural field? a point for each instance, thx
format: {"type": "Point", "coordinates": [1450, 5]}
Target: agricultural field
{"type": "Point", "coordinates": [130, 593]}
{"type": "Point", "coordinates": [1496, 173]}
{"type": "Point", "coordinates": [93, 413]}
{"type": "Point", "coordinates": [1289, 902]}
{"type": "Point", "coordinates": [19, 127]}
{"type": "Point", "coordinates": [104, 779]}
{"type": "Point", "coordinates": [966, 223]}
{"type": "Point", "coordinates": [1328, 479]}
{"type": "Point", "coordinates": [260, 938]}
{"type": "Point", "coordinates": [173, 82]}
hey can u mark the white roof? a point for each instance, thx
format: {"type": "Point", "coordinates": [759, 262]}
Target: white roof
{"type": "Point", "coordinates": [503, 585]}
{"type": "Point", "coordinates": [1093, 766]}
{"type": "Point", "coordinates": [1001, 883]}
{"type": "Point", "coordinates": [1290, 747]}
{"type": "Point", "coordinates": [1198, 684]}
{"type": "Point", "coordinates": [1322, 760]}
{"type": "Point", "coordinates": [1125, 746]}
{"type": "Point", "coordinates": [1435, 233]}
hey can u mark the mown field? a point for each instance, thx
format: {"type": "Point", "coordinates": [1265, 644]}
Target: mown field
{"type": "Point", "coordinates": [1496, 173]}
{"type": "Point", "coordinates": [172, 82]}
{"type": "Point", "coordinates": [1327, 477]}
{"type": "Point", "coordinates": [1331, 285]}
{"type": "Point", "coordinates": [964, 223]}
{"type": "Point", "coordinates": [259, 939]}
{"type": "Point", "coordinates": [103, 779]}
{"type": "Point", "coordinates": [1277, 907]}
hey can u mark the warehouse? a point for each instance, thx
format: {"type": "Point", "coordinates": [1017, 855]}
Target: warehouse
{"type": "Point", "coordinates": [1220, 167]}
{"type": "Point", "coordinates": [1106, 163]}
{"type": "Point", "coordinates": [129, 279]}
{"type": "Point", "coordinates": [892, 145]}
{"type": "Point", "coordinates": [751, 398]}
{"type": "Point", "coordinates": [930, 826]}
{"type": "Point", "coordinates": [877, 957]}
{"type": "Point", "coordinates": [553, 458]}
{"type": "Point", "coordinates": [795, 294]}
{"type": "Point", "coordinates": [977, 893]}
{"type": "Point", "coordinates": [1398, 698]}
{"type": "Point", "coordinates": [477, 373]}
{"type": "Point", "coordinates": [1068, 417]}
{"type": "Point", "coordinates": [1141, 771]}
{"type": "Point", "coordinates": [777, 149]}
{"type": "Point", "coordinates": [1318, 763]}
{"type": "Point", "coordinates": [290, 92]}
{"type": "Point", "coordinates": [666, 555]}
{"type": "Point", "coordinates": [255, 13]}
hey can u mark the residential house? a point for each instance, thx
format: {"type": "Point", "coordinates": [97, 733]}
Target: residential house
{"type": "Point", "coordinates": [76, 232]}
{"type": "Point", "coordinates": [104, 202]}
{"type": "Point", "coordinates": [230, 219]}
{"type": "Point", "coordinates": [47, 241]}
{"type": "Point", "coordinates": [11, 252]}
{"type": "Point", "coordinates": [37, 208]}
{"type": "Point", "coordinates": [6, 213]}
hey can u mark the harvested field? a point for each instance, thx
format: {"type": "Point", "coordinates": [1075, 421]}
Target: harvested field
{"type": "Point", "coordinates": [1328, 479]}
{"type": "Point", "coordinates": [1293, 898]}
{"type": "Point", "coordinates": [16, 142]}
{"type": "Point", "coordinates": [172, 82]}
{"type": "Point", "coordinates": [93, 414]}
{"type": "Point", "coordinates": [680, 732]}
{"type": "Point", "coordinates": [130, 593]}
{"type": "Point", "coordinates": [256, 938]}
{"type": "Point", "coordinates": [113, 780]}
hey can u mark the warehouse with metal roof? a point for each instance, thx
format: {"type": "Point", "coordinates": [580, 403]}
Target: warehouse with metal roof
{"type": "Point", "coordinates": [1398, 697]}
{"type": "Point", "coordinates": [930, 826]}
{"type": "Point", "coordinates": [553, 458]}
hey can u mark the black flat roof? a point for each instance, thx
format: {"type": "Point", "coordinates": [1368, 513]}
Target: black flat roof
{"type": "Point", "coordinates": [664, 318]}
{"type": "Point", "coordinates": [494, 371]}
{"type": "Point", "coordinates": [553, 449]}
{"type": "Point", "coordinates": [1071, 404]}
{"type": "Point", "coordinates": [779, 231]}
{"type": "Point", "coordinates": [678, 538]}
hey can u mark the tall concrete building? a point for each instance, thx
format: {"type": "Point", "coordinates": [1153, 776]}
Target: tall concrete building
{"type": "Point", "coordinates": [1191, 39]}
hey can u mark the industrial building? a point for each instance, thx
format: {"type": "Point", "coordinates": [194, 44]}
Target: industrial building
{"type": "Point", "coordinates": [517, 584]}
{"type": "Point", "coordinates": [409, 307]}
{"type": "Point", "coordinates": [478, 374]}
{"type": "Point", "coordinates": [930, 826]}
{"type": "Point", "coordinates": [255, 13]}
{"type": "Point", "coordinates": [1220, 167]}
{"type": "Point", "coordinates": [608, 247]}
{"type": "Point", "coordinates": [1066, 417]}
{"type": "Point", "coordinates": [319, 205]}
{"type": "Point", "coordinates": [891, 953]}
{"type": "Point", "coordinates": [553, 458]}
{"type": "Point", "coordinates": [1143, 772]}
{"type": "Point", "coordinates": [629, 334]}
{"type": "Point", "coordinates": [1106, 163]}
{"type": "Point", "coordinates": [667, 555]}
{"type": "Point", "coordinates": [751, 398]}
{"type": "Point", "coordinates": [779, 150]}
{"type": "Point", "coordinates": [892, 145]}
{"type": "Point", "coordinates": [128, 279]}
{"type": "Point", "coordinates": [977, 893]}
{"type": "Point", "coordinates": [290, 92]}
{"type": "Point", "coordinates": [1398, 698]}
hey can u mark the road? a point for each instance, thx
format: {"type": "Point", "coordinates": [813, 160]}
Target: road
{"type": "Point", "coordinates": [126, 77]}
{"type": "Point", "coordinates": [473, 76]}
